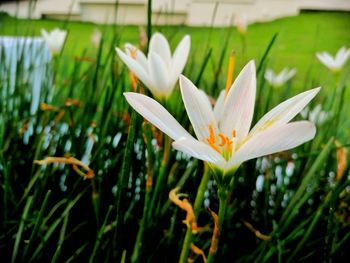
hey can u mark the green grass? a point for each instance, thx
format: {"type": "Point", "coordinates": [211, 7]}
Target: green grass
{"type": "Point", "coordinates": [299, 38]}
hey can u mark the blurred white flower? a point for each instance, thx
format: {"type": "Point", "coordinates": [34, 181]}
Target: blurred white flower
{"type": "Point", "coordinates": [316, 115]}
{"type": "Point", "coordinates": [54, 39]}
{"type": "Point", "coordinates": [160, 71]}
{"type": "Point", "coordinates": [334, 63]}
{"type": "Point", "coordinates": [241, 22]}
{"type": "Point", "coordinates": [277, 80]}
{"type": "Point", "coordinates": [96, 37]}
{"type": "Point", "coordinates": [224, 135]}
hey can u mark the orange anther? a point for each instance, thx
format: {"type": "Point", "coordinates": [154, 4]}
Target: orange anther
{"type": "Point", "coordinates": [211, 133]}
{"type": "Point", "coordinates": [233, 133]}
{"type": "Point", "coordinates": [223, 139]}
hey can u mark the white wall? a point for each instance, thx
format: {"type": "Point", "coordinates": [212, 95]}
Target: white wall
{"type": "Point", "coordinates": [190, 12]}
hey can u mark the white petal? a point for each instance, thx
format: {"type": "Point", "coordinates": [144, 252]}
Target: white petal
{"type": "Point", "coordinates": [341, 52]}
{"type": "Point", "coordinates": [205, 98]}
{"type": "Point", "coordinates": [269, 76]}
{"type": "Point", "coordinates": [274, 140]}
{"type": "Point", "coordinates": [199, 150]}
{"type": "Point", "coordinates": [198, 111]}
{"type": "Point", "coordinates": [179, 59]}
{"type": "Point", "coordinates": [159, 74]}
{"type": "Point", "coordinates": [219, 105]}
{"type": "Point", "coordinates": [284, 111]}
{"type": "Point", "coordinates": [290, 74]}
{"type": "Point", "coordinates": [137, 69]}
{"type": "Point", "coordinates": [159, 44]}
{"type": "Point", "coordinates": [140, 57]}
{"type": "Point", "coordinates": [156, 114]}
{"type": "Point", "coordinates": [239, 104]}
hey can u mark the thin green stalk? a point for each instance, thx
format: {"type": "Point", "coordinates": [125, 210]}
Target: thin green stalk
{"type": "Point", "coordinates": [222, 193]}
{"type": "Point", "coordinates": [143, 224]}
{"type": "Point", "coordinates": [197, 206]}
{"type": "Point", "coordinates": [38, 221]}
{"type": "Point", "coordinates": [300, 196]}
{"type": "Point", "coordinates": [99, 235]}
{"type": "Point", "coordinates": [21, 228]}
{"type": "Point", "coordinates": [61, 239]}
{"type": "Point", "coordinates": [161, 180]}
{"type": "Point", "coordinates": [139, 239]}
{"type": "Point", "coordinates": [123, 179]}
{"type": "Point", "coordinates": [267, 51]}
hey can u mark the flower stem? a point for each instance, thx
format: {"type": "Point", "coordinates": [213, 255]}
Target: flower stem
{"type": "Point", "coordinates": [222, 193]}
{"type": "Point", "coordinates": [197, 205]}
{"type": "Point", "coordinates": [161, 180]}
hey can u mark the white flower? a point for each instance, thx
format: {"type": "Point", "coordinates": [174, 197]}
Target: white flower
{"type": "Point", "coordinates": [277, 80]}
{"type": "Point", "coordinates": [223, 136]}
{"type": "Point", "coordinates": [96, 37]}
{"type": "Point", "coordinates": [241, 22]}
{"type": "Point", "coordinates": [334, 63]}
{"type": "Point", "coordinates": [316, 115]}
{"type": "Point", "coordinates": [54, 39]}
{"type": "Point", "coordinates": [160, 70]}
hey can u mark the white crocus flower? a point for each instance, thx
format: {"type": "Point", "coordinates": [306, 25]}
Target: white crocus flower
{"type": "Point", "coordinates": [334, 63]}
{"type": "Point", "coordinates": [316, 115]}
{"type": "Point", "coordinates": [54, 39]}
{"type": "Point", "coordinates": [160, 70]}
{"type": "Point", "coordinates": [96, 37]}
{"type": "Point", "coordinates": [224, 138]}
{"type": "Point", "coordinates": [278, 80]}
{"type": "Point", "coordinates": [241, 22]}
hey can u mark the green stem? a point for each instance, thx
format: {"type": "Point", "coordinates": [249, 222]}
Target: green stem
{"type": "Point", "coordinates": [139, 239]}
{"type": "Point", "coordinates": [222, 193]}
{"type": "Point", "coordinates": [197, 206]}
{"type": "Point", "coordinates": [161, 180]}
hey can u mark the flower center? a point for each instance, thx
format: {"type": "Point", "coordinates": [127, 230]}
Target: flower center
{"type": "Point", "coordinates": [221, 142]}
{"type": "Point", "coordinates": [133, 52]}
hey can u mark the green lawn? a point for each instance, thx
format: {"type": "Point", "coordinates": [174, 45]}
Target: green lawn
{"type": "Point", "coordinates": [298, 39]}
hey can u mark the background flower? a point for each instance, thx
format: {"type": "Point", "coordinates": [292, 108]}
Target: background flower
{"type": "Point", "coordinates": [160, 70]}
{"type": "Point", "coordinates": [55, 39]}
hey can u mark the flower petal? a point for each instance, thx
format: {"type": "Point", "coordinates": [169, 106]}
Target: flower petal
{"type": "Point", "coordinates": [140, 57]}
{"type": "Point", "coordinates": [137, 69]}
{"type": "Point", "coordinates": [279, 138]}
{"type": "Point", "coordinates": [199, 150]}
{"type": "Point", "coordinates": [179, 59]}
{"type": "Point", "coordinates": [284, 111]}
{"type": "Point", "coordinates": [219, 105]}
{"type": "Point", "coordinates": [238, 108]}
{"type": "Point", "coordinates": [156, 114]}
{"type": "Point", "coordinates": [198, 110]}
{"type": "Point", "coordinates": [159, 45]}
{"type": "Point", "coordinates": [270, 76]}
{"type": "Point", "coordinates": [159, 74]}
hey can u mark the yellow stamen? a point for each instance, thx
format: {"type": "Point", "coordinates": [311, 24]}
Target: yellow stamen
{"type": "Point", "coordinates": [231, 68]}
